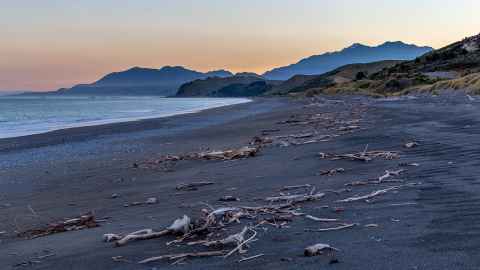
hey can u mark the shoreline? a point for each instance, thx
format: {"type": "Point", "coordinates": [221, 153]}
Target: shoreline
{"type": "Point", "coordinates": [125, 119]}
{"type": "Point", "coordinates": [76, 134]}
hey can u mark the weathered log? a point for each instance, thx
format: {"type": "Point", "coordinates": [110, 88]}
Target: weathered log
{"type": "Point", "coordinates": [318, 249]}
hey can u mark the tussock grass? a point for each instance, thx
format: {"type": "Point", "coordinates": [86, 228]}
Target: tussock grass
{"type": "Point", "coordinates": [469, 83]}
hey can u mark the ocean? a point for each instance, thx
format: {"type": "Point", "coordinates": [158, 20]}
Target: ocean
{"type": "Point", "coordinates": [27, 115]}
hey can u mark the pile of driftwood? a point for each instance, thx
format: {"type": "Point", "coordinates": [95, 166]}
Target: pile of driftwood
{"type": "Point", "coordinates": [229, 154]}
{"type": "Point", "coordinates": [361, 156]}
{"type": "Point", "coordinates": [339, 123]}
{"type": "Point", "coordinates": [291, 139]}
{"type": "Point", "coordinates": [329, 120]}
{"type": "Point", "coordinates": [209, 230]}
{"type": "Point", "coordinates": [83, 222]}
{"type": "Point", "coordinates": [205, 230]}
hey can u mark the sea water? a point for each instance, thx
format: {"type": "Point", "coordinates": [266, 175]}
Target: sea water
{"type": "Point", "coordinates": [26, 115]}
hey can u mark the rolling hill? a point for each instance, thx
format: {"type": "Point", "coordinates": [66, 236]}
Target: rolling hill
{"type": "Point", "coordinates": [345, 74]}
{"type": "Point", "coordinates": [237, 85]}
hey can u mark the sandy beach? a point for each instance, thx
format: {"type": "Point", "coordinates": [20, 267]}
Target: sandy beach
{"type": "Point", "coordinates": [428, 218]}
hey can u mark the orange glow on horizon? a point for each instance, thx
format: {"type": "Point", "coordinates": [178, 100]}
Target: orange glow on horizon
{"type": "Point", "coordinates": [48, 45]}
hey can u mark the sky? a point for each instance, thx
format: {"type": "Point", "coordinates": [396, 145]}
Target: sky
{"type": "Point", "coordinates": [46, 45]}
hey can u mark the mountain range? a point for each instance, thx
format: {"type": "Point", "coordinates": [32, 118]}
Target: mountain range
{"type": "Point", "coordinates": [454, 67]}
{"type": "Point", "coordinates": [143, 81]}
{"type": "Point", "coordinates": [357, 53]}
{"type": "Point", "coordinates": [167, 80]}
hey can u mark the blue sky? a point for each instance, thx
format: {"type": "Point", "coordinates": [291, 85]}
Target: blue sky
{"type": "Point", "coordinates": [50, 44]}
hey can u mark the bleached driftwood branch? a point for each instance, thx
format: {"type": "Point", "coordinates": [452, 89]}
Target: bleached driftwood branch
{"type": "Point", "coordinates": [318, 249]}
{"type": "Point", "coordinates": [370, 195]}
{"type": "Point", "coordinates": [321, 219]}
{"type": "Point", "coordinates": [235, 239]}
{"type": "Point", "coordinates": [341, 227]}
{"type": "Point", "coordinates": [181, 225]}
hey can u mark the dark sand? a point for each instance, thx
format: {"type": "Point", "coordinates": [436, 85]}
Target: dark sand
{"type": "Point", "coordinates": [45, 178]}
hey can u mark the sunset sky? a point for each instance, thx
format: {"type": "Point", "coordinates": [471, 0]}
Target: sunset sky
{"type": "Point", "coordinates": [50, 44]}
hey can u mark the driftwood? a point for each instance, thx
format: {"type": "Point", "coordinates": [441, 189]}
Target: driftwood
{"type": "Point", "coordinates": [238, 240]}
{"type": "Point", "coordinates": [243, 152]}
{"type": "Point", "coordinates": [261, 141]}
{"type": "Point", "coordinates": [358, 157]}
{"type": "Point", "coordinates": [193, 186]}
{"type": "Point", "coordinates": [235, 239]}
{"type": "Point", "coordinates": [229, 214]}
{"type": "Point", "coordinates": [292, 139]}
{"type": "Point", "coordinates": [152, 200]}
{"type": "Point", "coordinates": [251, 257]}
{"type": "Point", "coordinates": [318, 249]}
{"type": "Point", "coordinates": [370, 195]}
{"type": "Point", "coordinates": [138, 235]}
{"type": "Point", "coordinates": [277, 218]}
{"type": "Point", "coordinates": [296, 198]}
{"type": "Point", "coordinates": [218, 218]}
{"type": "Point", "coordinates": [181, 225]}
{"type": "Point", "coordinates": [321, 219]}
{"type": "Point", "coordinates": [341, 227]}
{"type": "Point", "coordinates": [382, 179]}
{"type": "Point", "coordinates": [183, 255]}
{"type": "Point", "coordinates": [332, 172]}
{"type": "Point", "coordinates": [120, 259]}
{"type": "Point", "coordinates": [362, 156]}
{"type": "Point", "coordinates": [214, 217]}
{"type": "Point", "coordinates": [403, 204]}
{"type": "Point", "coordinates": [411, 145]}
{"type": "Point", "coordinates": [228, 198]}
{"type": "Point", "coordinates": [389, 174]}
{"type": "Point", "coordinates": [83, 222]}
{"type": "Point", "coordinates": [239, 248]}
{"type": "Point", "coordinates": [404, 164]}
{"type": "Point", "coordinates": [348, 128]}
{"type": "Point", "coordinates": [285, 188]}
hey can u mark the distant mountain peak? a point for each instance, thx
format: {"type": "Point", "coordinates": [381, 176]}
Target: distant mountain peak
{"type": "Point", "coordinates": [174, 68]}
{"type": "Point", "coordinates": [247, 74]}
{"type": "Point", "coordinates": [397, 44]}
{"type": "Point", "coordinates": [356, 46]}
{"type": "Point", "coordinates": [219, 70]}
{"type": "Point", "coordinates": [137, 69]}
{"type": "Point", "coordinates": [219, 73]}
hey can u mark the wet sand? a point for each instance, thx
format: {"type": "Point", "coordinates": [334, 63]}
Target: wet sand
{"type": "Point", "coordinates": [431, 225]}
